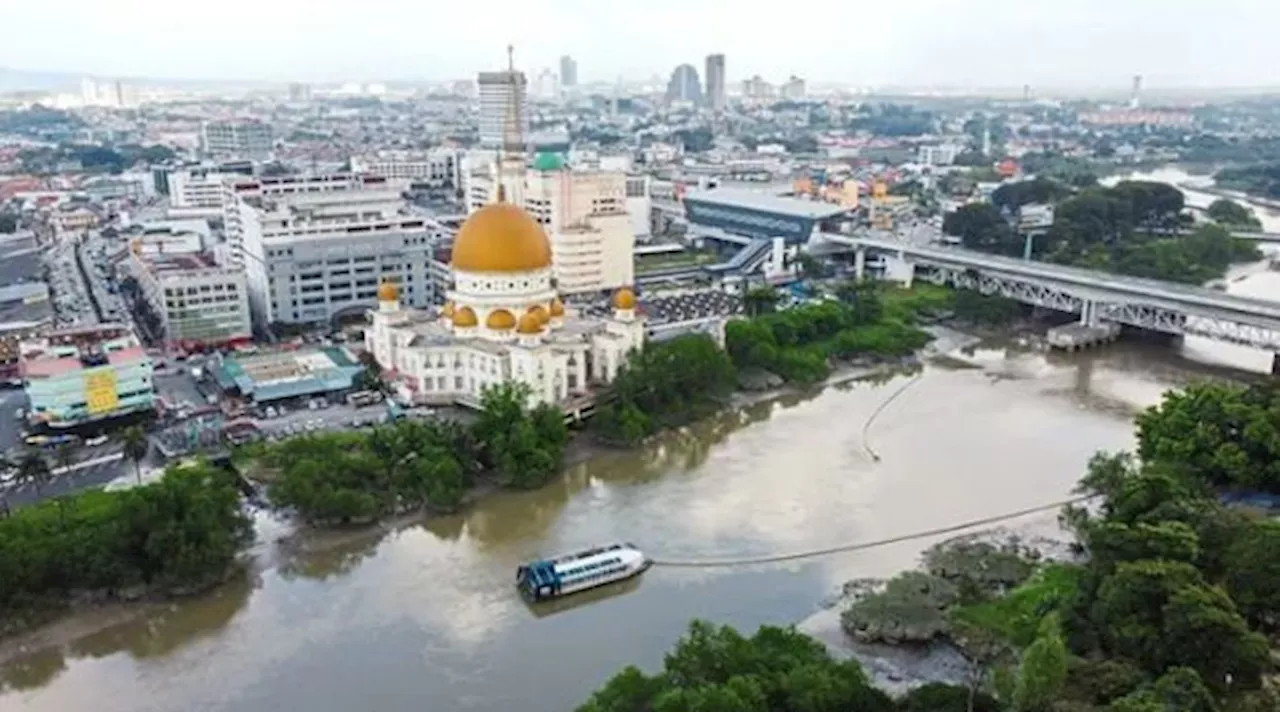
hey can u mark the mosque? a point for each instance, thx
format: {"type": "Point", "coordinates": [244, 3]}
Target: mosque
{"type": "Point", "coordinates": [503, 321]}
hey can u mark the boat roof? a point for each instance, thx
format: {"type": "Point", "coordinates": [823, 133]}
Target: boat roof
{"type": "Point", "coordinates": [589, 554]}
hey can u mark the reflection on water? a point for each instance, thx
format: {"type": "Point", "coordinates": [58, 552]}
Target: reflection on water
{"type": "Point", "coordinates": [423, 615]}
{"type": "Point", "coordinates": [542, 609]}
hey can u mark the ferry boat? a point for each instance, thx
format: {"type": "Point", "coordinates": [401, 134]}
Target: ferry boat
{"type": "Point", "coordinates": [579, 571]}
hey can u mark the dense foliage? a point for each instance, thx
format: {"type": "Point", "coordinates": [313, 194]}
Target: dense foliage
{"type": "Point", "coordinates": [343, 477]}
{"type": "Point", "coordinates": [797, 344]}
{"type": "Point", "coordinates": [182, 532]}
{"type": "Point", "coordinates": [1131, 228]}
{"type": "Point", "coordinates": [1227, 435]}
{"type": "Point", "coordinates": [717, 669]}
{"type": "Point", "coordinates": [1232, 214]}
{"type": "Point", "coordinates": [1260, 179]}
{"type": "Point", "coordinates": [667, 384]}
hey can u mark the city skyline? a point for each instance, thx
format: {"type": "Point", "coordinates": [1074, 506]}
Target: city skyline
{"type": "Point", "coordinates": [985, 43]}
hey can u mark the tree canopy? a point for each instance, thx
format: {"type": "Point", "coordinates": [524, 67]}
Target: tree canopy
{"type": "Point", "coordinates": [181, 532]}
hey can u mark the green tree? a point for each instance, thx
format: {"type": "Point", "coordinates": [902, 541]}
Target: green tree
{"type": "Point", "coordinates": [1043, 670]}
{"type": "Point", "coordinates": [760, 300]}
{"type": "Point", "coordinates": [1230, 213]}
{"type": "Point", "coordinates": [715, 668]}
{"type": "Point", "coordinates": [135, 448]}
{"type": "Point", "coordinates": [1253, 573]}
{"type": "Point", "coordinates": [980, 226]}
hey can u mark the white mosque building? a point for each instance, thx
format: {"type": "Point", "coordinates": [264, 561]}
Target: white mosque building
{"type": "Point", "coordinates": [504, 321]}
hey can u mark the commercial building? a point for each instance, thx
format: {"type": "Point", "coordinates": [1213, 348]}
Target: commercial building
{"type": "Point", "coordinates": [75, 376]}
{"type": "Point", "coordinates": [793, 88]}
{"type": "Point", "coordinates": [273, 377]}
{"type": "Point", "coordinates": [504, 106]}
{"type": "Point", "coordinates": [584, 214]}
{"type": "Point", "coordinates": [684, 86]}
{"type": "Point", "coordinates": [504, 322]}
{"type": "Point", "coordinates": [236, 138]}
{"type": "Point", "coordinates": [939, 155]}
{"type": "Point", "coordinates": [759, 214]}
{"type": "Point", "coordinates": [568, 72]}
{"type": "Point", "coordinates": [439, 168]}
{"type": "Point", "coordinates": [639, 206]}
{"type": "Point", "coordinates": [316, 247]}
{"type": "Point", "coordinates": [190, 300]}
{"type": "Point", "coordinates": [715, 82]}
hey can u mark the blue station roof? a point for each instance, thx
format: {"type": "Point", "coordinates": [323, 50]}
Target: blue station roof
{"type": "Point", "coordinates": [746, 199]}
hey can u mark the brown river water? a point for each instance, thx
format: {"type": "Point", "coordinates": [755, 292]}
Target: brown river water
{"type": "Point", "coordinates": [424, 616]}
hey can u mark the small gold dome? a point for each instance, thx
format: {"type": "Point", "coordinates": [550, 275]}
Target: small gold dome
{"type": "Point", "coordinates": [557, 307]}
{"type": "Point", "coordinates": [500, 320]}
{"type": "Point", "coordinates": [500, 237]}
{"type": "Point", "coordinates": [540, 312]}
{"type": "Point", "coordinates": [624, 299]}
{"type": "Point", "coordinates": [465, 318]}
{"type": "Point", "coordinates": [388, 292]}
{"type": "Point", "coordinates": [447, 311]}
{"type": "Point", "coordinates": [530, 324]}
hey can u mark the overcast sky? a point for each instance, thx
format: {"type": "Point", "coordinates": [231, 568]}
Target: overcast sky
{"type": "Point", "coordinates": [1067, 43]}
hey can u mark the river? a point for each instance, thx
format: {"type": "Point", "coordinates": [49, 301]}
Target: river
{"type": "Point", "coordinates": [424, 616]}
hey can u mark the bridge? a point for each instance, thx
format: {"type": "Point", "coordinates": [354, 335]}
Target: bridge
{"type": "Point", "coordinates": [1099, 297]}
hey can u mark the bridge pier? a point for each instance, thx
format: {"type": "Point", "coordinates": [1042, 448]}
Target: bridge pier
{"type": "Point", "coordinates": [1275, 364]}
{"type": "Point", "coordinates": [859, 264]}
{"type": "Point", "coordinates": [1088, 313]}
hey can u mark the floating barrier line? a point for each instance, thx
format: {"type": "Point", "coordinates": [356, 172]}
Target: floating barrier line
{"type": "Point", "coordinates": [866, 427]}
{"type": "Point", "coordinates": [860, 546]}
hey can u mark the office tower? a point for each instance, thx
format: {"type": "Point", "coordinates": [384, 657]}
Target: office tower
{"type": "Point", "coordinates": [568, 72]}
{"type": "Point", "coordinates": [715, 81]}
{"type": "Point", "coordinates": [1135, 96]}
{"type": "Point", "coordinates": [685, 85]}
{"type": "Point", "coordinates": [236, 138]}
{"type": "Point", "coordinates": [499, 92]}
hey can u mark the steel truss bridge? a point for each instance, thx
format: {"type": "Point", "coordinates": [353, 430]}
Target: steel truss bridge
{"type": "Point", "coordinates": [1096, 296]}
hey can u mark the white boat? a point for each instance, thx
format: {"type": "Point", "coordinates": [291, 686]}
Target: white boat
{"type": "Point", "coordinates": [579, 571]}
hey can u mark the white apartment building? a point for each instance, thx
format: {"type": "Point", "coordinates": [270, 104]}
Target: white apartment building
{"type": "Point", "coordinates": [584, 214]}
{"type": "Point", "coordinates": [317, 247]}
{"type": "Point", "coordinates": [639, 206]}
{"type": "Point", "coordinates": [503, 99]}
{"type": "Point", "coordinates": [191, 189]}
{"type": "Point", "coordinates": [236, 138]}
{"type": "Point", "coordinates": [940, 155]}
{"type": "Point", "coordinates": [196, 299]}
{"type": "Point", "coordinates": [437, 168]}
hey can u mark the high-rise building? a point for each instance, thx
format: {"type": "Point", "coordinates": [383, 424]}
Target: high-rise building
{"type": "Point", "coordinates": [584, 213]}
{"type": "Point", "coordinates": [715, 82]}
{"type": "Point", "coordinates": [793, 89]}
{"type": "Point", "coordinates": [236, 138]}
{"type": "Point", "coordinates": [1135, 98]}
{"type": "Point", "coordinates": [299, 92]}
{"type": "Point", "coordinates": [316, 246]}
{"type": "Point", "coordinates": [568, 72]}
{"type": "Point", "coordinates": [504, 106]}
{"type": "Point", "coordinates": [685, 85]}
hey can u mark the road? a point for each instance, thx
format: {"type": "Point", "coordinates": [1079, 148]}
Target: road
{"type": "Point", "coordinates": [97, 473]}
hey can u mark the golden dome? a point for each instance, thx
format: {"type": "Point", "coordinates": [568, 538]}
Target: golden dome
{"type": "Point", "coordinates": [500, 320]}
{"type": "Point", "coordinates": [447, 311]}
{"type": "Point", "coordinates": [530, 324]}
{"type": "Point", "coordinates": [464, 318]}
{"type": "Point", "coordinates": [624, 299]}
{"type": "Point", "coordinates": [540, 312]}
{"type": "Point", "coordinates": [557, 307]}
{"type": "Point", "coordinates": [388, 292]}
{"type": "Point", "coordinates": [500, 238]}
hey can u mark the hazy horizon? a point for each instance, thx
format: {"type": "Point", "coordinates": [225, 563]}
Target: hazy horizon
{"type": "Point", "coordinates": [976, 44]}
